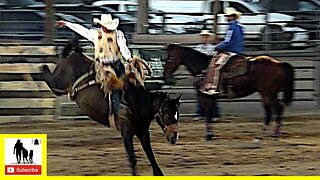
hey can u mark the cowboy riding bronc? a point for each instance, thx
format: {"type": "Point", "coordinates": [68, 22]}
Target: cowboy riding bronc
{"type": "Point", "coordinates": [109, 45]}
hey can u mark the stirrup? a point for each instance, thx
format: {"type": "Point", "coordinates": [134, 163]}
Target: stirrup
{"type": "Point", "coordinates": [208, 87]}
{"type": "Point", "coordinates": [209, 92]}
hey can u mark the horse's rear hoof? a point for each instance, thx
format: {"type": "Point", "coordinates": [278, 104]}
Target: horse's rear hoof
{"type": "Point", "coordinates": [256, 140]}
{"type": "Point", "coordinates": [276, 135]}
{"type": "Point", "coordinates": [208, 137]}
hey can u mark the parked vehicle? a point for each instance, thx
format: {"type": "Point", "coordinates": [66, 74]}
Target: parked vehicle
{"type": "Point", "coordinates": [260, 25]}
{"type": "Point", "coordinates": [160, 22]}
{"type": "Point", "coordinates": [306, 13]}
{"type": "Point", "coordinates": [29, 24]}
{"type": "Point", "coordinates": [88, 12]}
{"type": "Point", "coordinates": [3, 4]}
{"type": "Point", "coordinates": [120, 6]}
{"type": "Point", "coordinates": [22, 3]}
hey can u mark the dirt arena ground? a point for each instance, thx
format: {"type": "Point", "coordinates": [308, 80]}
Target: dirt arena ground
{"type": "Point", "coordinates": [87, 148]}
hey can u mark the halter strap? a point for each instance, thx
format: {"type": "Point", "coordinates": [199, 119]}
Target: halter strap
{"type": "Point", "coordinates": [81, 78]}
{"type": "Point", "coordinates": [170, 127]}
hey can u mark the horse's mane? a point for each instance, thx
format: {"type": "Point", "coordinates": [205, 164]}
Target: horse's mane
{"type": "Point", "coordinates": [193, 59]}
{"type": "Point", "coordinates": [72, 45]}
{"type": "Point", "coordinates": [190, 51]}
{"type": "Point", "coordinates": [161, 95]}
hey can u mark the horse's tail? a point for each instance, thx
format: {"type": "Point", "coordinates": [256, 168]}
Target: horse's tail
{"type": "Point", "coordinates": [73, 44]}
{"type": "Point", "coordinates": [289, 84]}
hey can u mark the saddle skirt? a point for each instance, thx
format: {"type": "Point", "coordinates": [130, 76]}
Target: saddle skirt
{"type": "Point", "coordinates": [237, 65]}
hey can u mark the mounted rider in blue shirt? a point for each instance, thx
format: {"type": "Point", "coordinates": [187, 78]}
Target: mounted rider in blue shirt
{"type": "Point", "coordinates": [233, 41]}
{"type": "Point", "coordinates": [233, 44]}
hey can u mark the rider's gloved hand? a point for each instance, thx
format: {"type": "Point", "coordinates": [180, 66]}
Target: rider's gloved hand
{"type": "Point", "coordinates": [60, 23]}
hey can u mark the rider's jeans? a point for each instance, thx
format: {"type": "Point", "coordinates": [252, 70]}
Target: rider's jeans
{"type": "Point", "coordinates": [116, 94]}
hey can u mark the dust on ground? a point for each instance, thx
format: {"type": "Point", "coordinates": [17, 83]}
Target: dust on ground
{"type": "Point", "coordinates": [87, 148]}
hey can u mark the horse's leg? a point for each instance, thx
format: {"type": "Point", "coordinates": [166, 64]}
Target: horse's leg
{"type": "Point", "coordinates": [279, 111]}
{"type": "Point", "coordinates": [128, 143]}
{"type": "Point", "coordinates": [209, 132]}
{"type": "Point", "coordinates": [266, 101]}
{"type": "Point", "coordinates": [210, 111]}
{"type": "Point", "coordinates": [144, 138]}
{"type": "Point", "coordinates": [216, 113]}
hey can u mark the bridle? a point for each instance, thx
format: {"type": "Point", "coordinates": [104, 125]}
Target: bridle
{"type": "Point", "coordinates": [166, 128]}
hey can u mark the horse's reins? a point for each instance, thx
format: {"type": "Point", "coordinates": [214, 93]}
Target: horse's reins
{"type": "Point", "coordinates": [76, 87]}
{"type": "Point", "coordinates": [170, 127]}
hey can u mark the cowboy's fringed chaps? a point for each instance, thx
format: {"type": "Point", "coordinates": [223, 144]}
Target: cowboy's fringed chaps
{"type": "Point", "coordinates": [135, 71]}
{"type": "Point", "coordinates": [108, 79]}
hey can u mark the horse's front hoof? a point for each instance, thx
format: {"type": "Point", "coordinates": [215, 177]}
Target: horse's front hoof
{"type": "Point", "coordinates": [257, 140]}
{"type": "Point", "coordinates": [276, 132]}
{"type": "Point", "coordinates": [158, 173]}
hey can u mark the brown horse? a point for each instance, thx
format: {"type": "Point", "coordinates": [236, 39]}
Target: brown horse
{"type": "Point", "coordinates": [264, 75]}
{"type": "Point", "coordinates": [75, 75]}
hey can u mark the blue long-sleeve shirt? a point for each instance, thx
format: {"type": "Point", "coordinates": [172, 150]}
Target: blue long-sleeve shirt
{"type": "Point", "coordinates": [234, 40]}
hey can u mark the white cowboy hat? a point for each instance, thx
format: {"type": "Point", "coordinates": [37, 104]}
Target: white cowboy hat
{"type": "Point", "coordinates": [107, 21]}
{"type": "Point", "coordinates": [231, 11]}
{"type": "Point", "coordinates": [205, 33]}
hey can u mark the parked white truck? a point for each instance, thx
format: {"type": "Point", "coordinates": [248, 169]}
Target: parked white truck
{"type": "Point", "coordinates": [258, 24]}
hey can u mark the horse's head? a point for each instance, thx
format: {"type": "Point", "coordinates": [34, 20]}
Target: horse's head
{"type": "Point", "coordinates": [168, 118]}
{"type": "Point", "coordinates": [194, 60]}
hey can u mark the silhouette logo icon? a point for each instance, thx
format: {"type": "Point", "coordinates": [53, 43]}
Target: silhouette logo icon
{"type": "Point", "coordinates": [23, 156]}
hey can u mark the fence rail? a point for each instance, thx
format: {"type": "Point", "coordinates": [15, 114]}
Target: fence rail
{"type": "Point", "coordinates": [24, 93]}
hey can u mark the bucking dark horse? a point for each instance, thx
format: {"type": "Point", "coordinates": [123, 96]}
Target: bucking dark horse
{"type": "Point", "coordinates": [75, 75]}
{"type": "Point", "coordinates": [261, 74]}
